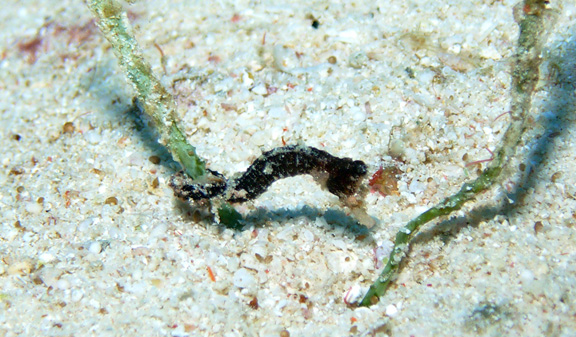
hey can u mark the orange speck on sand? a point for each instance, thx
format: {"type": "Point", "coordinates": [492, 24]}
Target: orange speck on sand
{"type": "Point", "coordinates": [211, 274]}
{"type": "Point", "coordinates": [214, 59]}
{"type": "Point", "coordinates": [236, 18]}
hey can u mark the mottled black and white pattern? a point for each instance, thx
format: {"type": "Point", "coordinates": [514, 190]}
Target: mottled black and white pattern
{"type": "Point", "coordinates": [341, 176]}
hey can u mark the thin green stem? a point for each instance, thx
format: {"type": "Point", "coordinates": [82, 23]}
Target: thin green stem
{"type": "Point", "coordinates": [533, 18]}
{"type": "Point", "coordinates": [157, 103]}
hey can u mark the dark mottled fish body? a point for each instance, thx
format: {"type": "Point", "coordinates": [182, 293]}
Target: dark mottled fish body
{"type": "Point", "coordinates": [342, 175]}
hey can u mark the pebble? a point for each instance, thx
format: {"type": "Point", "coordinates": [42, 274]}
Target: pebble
{"type": "Point", "coordinates": [95, 247]}
{"type": "Point", "coordinates": [85, 224]}
{"type": "Point", "coordinates": [20, 268]}
{"type": "Point", "coordinates": [93, 137]}
{"type": "Point", "coordinates": [354, 295]}
{"type": "Point", "coordinates": [77, 295]}
{"type": "Point", "coordinates": [46, 258]}
{"type": "Point", "coordinates": [62, 284]}
{"type": "Point", "coordinates": [391, 310]}
{"type": "Point", "coordinates": [243, 278]}
{"type": "Point", "coordinates": [33, 208]}
{"type": "Point", "coordinates": [260, 89]}
{"type": "Point", "coordinates": [358, 60]}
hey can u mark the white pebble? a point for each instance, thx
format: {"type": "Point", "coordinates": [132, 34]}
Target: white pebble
{"type": "Point", "coordinates": [62, 284]}
{"type": "Point", "coordinates": [353, 295]}
{"type": "Point", "coordinates": [260, 89]}
{"type": "Point", "coordinates": [281, 56]}
{"type": "Point", "coordinates": [348, 36]}
{"type": "Point", "coordinates": [246, 80]}
{"type": "Point", "coordinates": [84, 225]}
{"type": "Point", "coordinates": [77, 295]}
{"type": "Point", "coordinates": [243, 278]}
{"type": "Point", "coordinates": [159, 231]}
{"type": "Point", "coordinates": [357, 114]}
{"type": "Point", "coordinates": [396, 148]}
{"type": "Point", "coordinates": [358, 60]}
{"type": "Point", "coordinates": [260, 138]}
{"type": "Point", "coordinates": [278, 309]}
{"type": "Point", "coordinates": [278, 112]}
{"type": "Point", "coordinates": [93, 136]}
{"type": "Point", "coordinates": [286, 233]}
{"type": "Point", "coordinates": [137, 274]}
{"type": "Point", "coordinates": [46, 258]}
{"type": "Point", "coordinates": [260, 248]}
{"type": "Point", "coordinates": [416, 187]}
{"type": "Point", "coordinates": [95, 247]}
{"type": "Point", "coordinates": [33, 207]}
{"type": "Point", "coordinates": [307, 235]}
{"type": "Point", "coordinates": [391, 310]}
{"type": "Point", "coordinates": [490, 52]}
{"type": "Point", "coordinates": [526, 275]}
{"type": "Point", "coordinates": [340, 244]}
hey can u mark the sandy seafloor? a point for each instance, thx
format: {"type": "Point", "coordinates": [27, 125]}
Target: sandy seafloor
{"type": "Point", "coordinates": [93, 242]}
